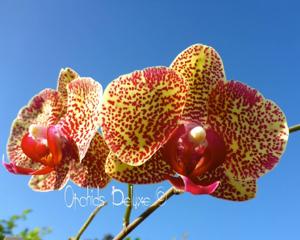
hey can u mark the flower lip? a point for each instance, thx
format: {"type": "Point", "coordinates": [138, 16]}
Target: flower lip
{"type": "Point", "coordinates": [43, 145]}
{"type": "Point", "coordinates": [193, 149]}
{"type": "Point", "coordinates": [184, 183]}
{"type": "Point", "coordinates": [33, 148]}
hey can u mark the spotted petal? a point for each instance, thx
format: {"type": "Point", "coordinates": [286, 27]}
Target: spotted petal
{"type": "Point", "coordinates": [140, 111]}
{"type": "Point", "coordinates": [90, 172]}
{"type": "Point", "coordinates": [55, 180]}
{"type": "Point", "coordinates": [43, 109]}
{"type": "Point", "coordinates": [235, 190]}
{"type": "Point", "coordinates": [66, 76]}
{"type": "Point", "coordinates": [229, 188]}
{"type": "Point", "coordinates": [153, 171]}
{"type": "Point", "coordinates": [254, 129]}
{"type": "Point", "coordinates": [201, 67]}
{"type": "Point", "coordinates": [80, 123]}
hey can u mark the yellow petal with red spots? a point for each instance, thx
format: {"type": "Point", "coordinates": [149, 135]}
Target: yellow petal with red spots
{"type": "Point", "coordinates": [140, 111]}
{"type": "Point", "coordinates": [90, 172]}
{"type": "Point", "coordinates": [81, 121]}
{"type": "Point", "coordinates": [43, 109]}
{"type": "Point", "coordinates": [153, 171]}
{"type": "Point", "coordinates": [229, 188]}
{"type": "Point", "coordinates": [201, 67]}
{"type": "Point", "coordinates": [66, 76]}
{"type": "Point", "coordinates": [254, 129]}
{"type": "Point", "coordinates": [235, 190]}
{"type": "Point", "coordinates": [54, 180]}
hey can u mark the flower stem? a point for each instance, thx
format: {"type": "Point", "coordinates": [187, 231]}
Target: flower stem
{"type": "Point", "coordinates": [294, 128]}
{"type": "Point", "coordinates": [87, 222]}
{"type": "Point", "coordinates": [126, 218]}
{"type": "Point", "coordinates": [125, 231]}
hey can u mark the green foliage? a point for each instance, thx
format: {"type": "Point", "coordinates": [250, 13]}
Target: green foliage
{"type": "Point", "coordinates": [7, 228]}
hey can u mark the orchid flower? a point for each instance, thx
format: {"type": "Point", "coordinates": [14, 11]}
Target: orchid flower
{"type": "Point", "coordinates": [188, 125]}
{"type": "Point", "coordinates": [55, 136]}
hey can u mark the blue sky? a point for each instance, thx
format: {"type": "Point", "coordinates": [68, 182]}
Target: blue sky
{"type": "Point", "coordinates": [259, 44]}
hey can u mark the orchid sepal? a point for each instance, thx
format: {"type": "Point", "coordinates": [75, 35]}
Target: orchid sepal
{"type": "Point", "coordinates": [14, 169]}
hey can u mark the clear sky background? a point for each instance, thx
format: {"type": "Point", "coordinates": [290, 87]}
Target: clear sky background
{"type": "Point", "coordinates": [259, 42]}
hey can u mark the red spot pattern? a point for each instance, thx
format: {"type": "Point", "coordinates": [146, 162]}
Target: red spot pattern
{"type": "Point", "coordinates": [254, 129]}
{"type": "Point", "coordinates": [55, 180]}
{"type": "Point", "coordinates": [91, 171]}
{"type": "Point", "coordinates": [229, 188]}
{"type": "Point", "coordinates": [152, 171]}
{"type": "Point", "coordinates": [140, 111]}
{"type": "Point", "coordinates": [66, 76]}
{"type": "Point", "coordinates": [201, 67]}
{"type": "Point", "coordinates": [80, 122]}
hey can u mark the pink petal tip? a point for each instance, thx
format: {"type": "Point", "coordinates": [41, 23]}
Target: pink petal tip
{"type": "Point", "coordinates": [186, 184]}
{"type": "Point", "coordinates": [196, 189]}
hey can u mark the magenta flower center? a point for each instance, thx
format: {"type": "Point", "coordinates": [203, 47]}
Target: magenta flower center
{"type": "Point", "coordinates": [194, 149]}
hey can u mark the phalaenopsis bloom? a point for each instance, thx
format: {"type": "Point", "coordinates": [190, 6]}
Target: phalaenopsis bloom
{"type": "Point", "coordinates": [187, 124]}
{"type": "Point", "coordinates": [55, 136]}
